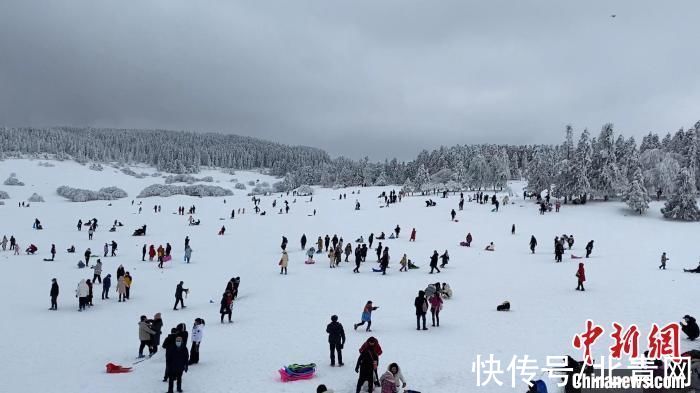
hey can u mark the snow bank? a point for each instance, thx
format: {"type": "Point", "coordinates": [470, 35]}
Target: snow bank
{"type": "Point", "coordinates": [304, 190]}
{"type": "Point", "coordinates": [80, 195]}
{"type": "Point", "coordinates": [4, 195]}
{"type": "Point", "coordinates": [13, 181]}
{"type": "Point", "coordinates": [194, 190]}
{"type": "Point", "coordinates": [35, 198]}
{"type": "Point", "coordinates": [239, 186]}
{"type": "Point", "coordinates": [96, 167]}
{"type": "Point", "coordinates": [189, 179]}
{"type": "Point", "coordinates": [46, 164]}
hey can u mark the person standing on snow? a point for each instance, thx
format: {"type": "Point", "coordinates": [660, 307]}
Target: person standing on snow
{"type": "Point", "coordinates": [413, 235]}
{"type": "Point", "coordinates": [397, 230]}
{"type": "Point", "coordinates": [176, 359]}
{"type": "Point", "coordinates": [87, 256]}
{"type": "Point", "coordinates": [156, 325]}
{"type": "Point", "coordinates": [188, 254]}
{"type": "Point", "coordinates": [336, 340]}
{"type": "Point", "coordinates": [179, 290]}
{"type": "Point", "coordinates": [379, 251]}
{"type": "Point", "coordinates": [366, 367]}
{"type": "Point", "coordinates": [143, 253]}
{"type": "Point", "coordinates": [319, 245]}
{"type": "Point", "coordinates": [589, 248]}
{"type": "Point", "coordinates": [226, 303]}
{"type": "Point", "coordinates": [663, 261]}
{"type": "Point", "coordinates": [97, 274]}
{"type": "Point", "coordinates": [284, 261]}
{"type": "Point", "coordinates": [106, 250]}
{"type": "Point", "coordinates": [366, 316]}
{"type": "Point", "coordinates": [533, 243]}
{"type": "Point", "coordinates": [404, 263]}
{"type": "Point", "coordinates": [371, 239]}
{"type": "Point", "coordinates": [303, 241]}
{"type": "Point", "coordinates": [284, 243]}
{"type": "Point", "coordinates": [327, 242]}
{"type": "Point", "coordinates": [114, 248]}
{"type": "Point", "coordinates": [453, 213]}
{"type": "Point", "coordinates": [53, 252]}
{"type": "Point", "coordinates": [54, 295]}
{"type": "Point", "coordinates": [106, 283]}
{"type": "Point", "coordinates": [82, 292]}
{"type": "Point", "coordinates": [435, 307]}
{"type": "Point", "coordinates": [121, 289]}
{"type": "Point", "coordinates": [145, 333]}
{"type": "Point", "coordinates": [434, 262]}
{"type": "Point", "coordinates": [358, 259]}
{"type": "Point", "coordinates": [197, 336]}
{"type": "Point", "coordinates": [469, 239]}
{"type": "Point", "coordinates": [421, 305]}
{"type": "Point", "coordinates": [581, 275]}
{"type": "Point", "coordinates": [384, 261]}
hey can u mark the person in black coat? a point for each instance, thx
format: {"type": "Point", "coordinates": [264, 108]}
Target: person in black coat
{"type": "Point", "coordinates": [284, 243]}
{"type": "Point", "coordinates": [176, 359]}
{"type": "Point", "coordinates": [589, 248]}
{"type": "Point", "coordinates": [533, 243]}
{"type": "Point", "coordinates": [157, 326]}
{"type": "Point", "coordinates": [303, 241]}
{"type": "Point", "coordinates": [434, 262]}
{"type": "Point", "coordinates": [371, 239]}
{"type": "Point", "coordinates": [179, 290]}
{"type": "Point", "coordinates": [106, 283]}
{"type": "Point", "coordinates": [358, 259]}
{"type": "Point", "coordinates": [336, 339]}
{"type": "Point", "coordinates": [143, 253]}
{"type": "Point", "coordinates": [690, 327]}
{"type": "Point", "coordinates": [54, 294]}
{"type": "Point", "coordinates": [366, 364]}
{"type": "Point", "coordinates": [421, 304]}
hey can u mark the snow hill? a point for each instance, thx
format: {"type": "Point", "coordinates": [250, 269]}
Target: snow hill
{"type": "Point", "coordinates": [281, 319]}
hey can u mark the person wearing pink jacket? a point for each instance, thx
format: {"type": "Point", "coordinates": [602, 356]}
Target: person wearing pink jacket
{"type": "Point", "coordinates": [435, 307]}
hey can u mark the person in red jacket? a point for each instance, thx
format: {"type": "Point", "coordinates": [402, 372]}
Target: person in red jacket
{"type": "Point", "coordinates": [581, 274]}
{"type": "Point", "coordinates": [151, 253]}
{"type": "Point", "coordinates": [376, 351]}
{"type": "Point", "coordinates": [413, 235]}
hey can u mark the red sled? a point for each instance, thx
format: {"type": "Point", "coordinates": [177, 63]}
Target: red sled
{"type": "Point", "coordinates": [116, 369]}
{"type": "Point", "coordinates": [167, 258]}
{"type": "Point", "coordinates": [575, 257]}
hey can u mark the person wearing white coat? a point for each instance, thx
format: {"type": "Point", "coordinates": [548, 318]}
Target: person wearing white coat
{"type": "Point", "coordinates": [197, 336]}
{"type": "Point", "coordinates": [82, 293]}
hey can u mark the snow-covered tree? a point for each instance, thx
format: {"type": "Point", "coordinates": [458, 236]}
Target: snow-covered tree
{"type": "Point", "coordinates": [581, 186]}
{"type": "Point", "coordinates": [682, 205]}
{"type": "Point", "coordinates": [422, 177]}
{"type": "Point", "coordinates": [637, 197]}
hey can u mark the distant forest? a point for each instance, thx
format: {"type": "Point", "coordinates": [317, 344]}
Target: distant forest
{"type": "Point", "coordinates": [602, 166]}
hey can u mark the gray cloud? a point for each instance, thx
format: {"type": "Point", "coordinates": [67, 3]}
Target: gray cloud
{"type": "Point", "coordinates": [383, 79]}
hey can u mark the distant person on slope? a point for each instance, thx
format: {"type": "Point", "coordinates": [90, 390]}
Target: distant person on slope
{"type": "Point", "coordinates": [366, 316]}
{"type": "Point", "coordinates": [533, 243]}
{"type": "Point", "coordinates": [581, 276]}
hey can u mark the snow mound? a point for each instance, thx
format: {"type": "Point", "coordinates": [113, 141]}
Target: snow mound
{"type": "Point", "coordinates": [46, 164]}
{"type": "Point", "coordinates": [13, 181]}
{"type": "Point", "coordinates": [96, 167]}
{"type": "Point", "coordinates": [80, 195]}
{"type": "Point", "coordinates": [4, 195]}
{"type": "Point", "coordinates": [189, 179]}
{"type": "Point", "coordinates": [193, 190]}
{"type": "Point", "coordinates": [304, 190]}
{"type": "Point", "coordinates": [35, 198]}
{"type": "Point", "coordinates": [239, 186]}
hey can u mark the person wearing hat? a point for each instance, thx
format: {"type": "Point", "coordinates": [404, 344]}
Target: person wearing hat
{"type": "Point", "coordinates": [145, 334]}
{"type": "Point", "coordinates": [336, 339]}
{"type": "Point", "coordinates": [176, 359]}
{"type": "Point", "coordinates": [323, 389]}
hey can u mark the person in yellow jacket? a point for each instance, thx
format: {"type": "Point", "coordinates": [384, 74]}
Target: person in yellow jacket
{"type": "Point", "coordinates": [127, 282]}
{"type": "Point", "coordinates": [283, 262]}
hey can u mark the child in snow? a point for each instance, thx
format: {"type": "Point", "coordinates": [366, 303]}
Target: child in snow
{"type": "Point", "coordinates": [581, 275]}
{"type": "Point", "coordinates": [490, 247]}
{"type": "Point", "coordinates": [404, 263]}
{"type": "Point", "coordinates": [226, 303]}
{"type": "Point", "coordinates": [367, 316]}
{"type": "Point", "coordinates": [663, 261]}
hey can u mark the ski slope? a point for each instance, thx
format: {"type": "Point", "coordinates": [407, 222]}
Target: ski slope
{"type": "Point", "coordinates": [281, 319]}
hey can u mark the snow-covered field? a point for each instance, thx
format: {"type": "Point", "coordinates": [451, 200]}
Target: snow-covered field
{"type": "Point", "coordinates": [282, 319]}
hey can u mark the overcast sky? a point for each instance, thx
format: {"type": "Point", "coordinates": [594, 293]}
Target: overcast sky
{"type": "Point", "coordinates": [377, 78]}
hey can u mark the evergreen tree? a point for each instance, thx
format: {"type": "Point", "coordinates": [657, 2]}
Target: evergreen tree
{"type": "Point", "coordinates": [637, 197]}
{"type": "Point", "coordinates": [682, 204]}
{"type": "Point", "coordinates": [581, 185]}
